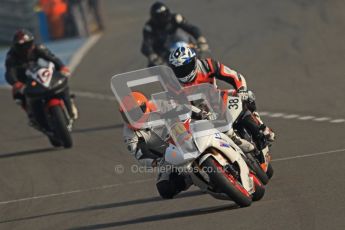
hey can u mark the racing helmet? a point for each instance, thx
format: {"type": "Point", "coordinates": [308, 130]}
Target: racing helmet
{"type": "Point", "coordinates": [129, 106]}
{"type": "Point", "coordinates": [23, 41]}
{"type": "Point", "coordinates": [183, 62]}
{"type": "Point", "coordinates": [160, 14]}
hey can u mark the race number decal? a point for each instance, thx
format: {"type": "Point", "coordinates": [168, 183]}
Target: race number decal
{"type": "Point", "coordinates": [233, 103]}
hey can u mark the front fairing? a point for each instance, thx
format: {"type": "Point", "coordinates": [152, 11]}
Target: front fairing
{"type": "Point", "coordinates": [56, 85]}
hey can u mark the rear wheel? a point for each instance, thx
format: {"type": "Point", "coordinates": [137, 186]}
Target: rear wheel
{"type": "Point", "coordinates": [60, 127]}
{"type": "Point", "coordinates": [226, 183]}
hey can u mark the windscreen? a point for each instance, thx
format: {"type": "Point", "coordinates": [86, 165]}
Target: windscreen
{"type": "Point", "coordinates": [173, 105]}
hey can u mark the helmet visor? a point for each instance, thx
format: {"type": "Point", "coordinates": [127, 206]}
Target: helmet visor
{"type": "Point", "coordinates": [185, 70]}
{"type": "Point", "coordinates": [133, 113]}
{"type": "Point", "coordinates": [25, 47]}
{"type": "Point", "coordinates": [161, 18]}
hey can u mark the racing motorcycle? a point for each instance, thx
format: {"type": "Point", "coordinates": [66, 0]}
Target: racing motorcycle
{"type": "Point", "coordinates": [236, 110]}
{"type": "Point", "coordinates": [259, 161]}
{"type": "Point", "coordinates": [50, 116]}
{"type": "Point", "coordinates": [218, 165]}
{"type": "Point", "coordinates": [263, 157]}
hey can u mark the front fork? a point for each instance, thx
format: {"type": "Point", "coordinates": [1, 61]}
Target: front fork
{"type": "Point", "coordinates": [60, 102]}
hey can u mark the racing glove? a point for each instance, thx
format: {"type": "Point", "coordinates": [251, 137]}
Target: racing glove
{"type": "Point", "coordinates": [154, 59]}
{"type": "Point", "coordinates": [243, 94]}
{"type": "Point", "coordinates": [18, 90]}
{"type": "Point", "coordinates": [65, 71]}
{"type": "Point", "coordinates": [202, 44]}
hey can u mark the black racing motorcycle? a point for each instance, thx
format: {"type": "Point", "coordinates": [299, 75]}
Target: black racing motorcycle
{"type": "Point", "coordinates": [45, 104]}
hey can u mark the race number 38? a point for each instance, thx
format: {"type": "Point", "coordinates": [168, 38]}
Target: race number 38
{"type": "Point", "coordinates": [233, 103]}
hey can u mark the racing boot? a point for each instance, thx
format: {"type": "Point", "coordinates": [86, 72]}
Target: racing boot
{"type": "Point", "coordinates": [75, 113]}
{"type": "Point", "coordinates": [268, 132]}
{"type": "Point", "coordinates": [243, 144]}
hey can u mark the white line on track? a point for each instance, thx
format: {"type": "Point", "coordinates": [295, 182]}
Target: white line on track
{"type": "Point", "coordinates": [302, 117]}
{"type": "Point", "coordinates": [309, 155]}
{"type": "Point", "coordinates": [263, 113]}
{"type": "Point", "coordinates": [147, 180]}
{"type": "Point", "coordinates": [73, 192]}
{"type": "Point", "coordinates": [94, 95]}
{"type": "Point", "coordinates": [107, 97]}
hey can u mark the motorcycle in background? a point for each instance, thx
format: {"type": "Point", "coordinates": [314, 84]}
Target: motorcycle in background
{"type": "Point", "coordinates": [173, 41]}
{"type": "Point", "coordinates": [45, 106]}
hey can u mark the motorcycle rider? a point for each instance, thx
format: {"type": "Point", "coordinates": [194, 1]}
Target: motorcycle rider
{"type": "Point", "coordinates": [147, 146]}
{"type": "Point", "coordinates": [24, 51]}
{"type": "Point", "coordinates": [162, 24]}
{"type": "Point", "coordinates": [190, 70]}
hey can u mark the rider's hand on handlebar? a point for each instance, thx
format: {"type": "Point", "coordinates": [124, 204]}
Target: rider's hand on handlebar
{"type": "Point", "coordinates": [18, 89]}
{"type": "Point", "coordinates": [155, 59]}
{"type": "Point", "coordinates": [243, 94]}
{"type": "Point", "coordinates": [65, 71]}
{"type": "Point", "coordinates": [202, 44]}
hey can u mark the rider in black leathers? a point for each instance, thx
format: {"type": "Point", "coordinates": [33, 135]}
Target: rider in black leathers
{"type": "Point", "coordinates": [162, 24]}
{"type": "Point", "coordinates": [23, 52]}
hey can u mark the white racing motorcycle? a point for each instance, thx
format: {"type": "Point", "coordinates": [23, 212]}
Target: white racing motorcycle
{"type": "Point", "coordinates": [256, 160]}
{"type": "Point", "coordinates": [196, 147]}
{"type": "Point", "coordinates": [218, 167]}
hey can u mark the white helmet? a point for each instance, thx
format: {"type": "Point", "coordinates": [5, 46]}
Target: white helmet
{"type": "Point", "coordinates": [183, 62]}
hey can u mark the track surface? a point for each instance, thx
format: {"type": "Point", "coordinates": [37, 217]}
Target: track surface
{"type": "Point", "coordinates": [292, 53]}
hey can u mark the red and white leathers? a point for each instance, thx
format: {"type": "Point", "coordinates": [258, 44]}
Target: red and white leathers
{"type": "Point", "coordinates": [209, 70]}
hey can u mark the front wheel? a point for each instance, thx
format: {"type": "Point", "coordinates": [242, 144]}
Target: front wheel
{"type": "Point", "coordinates": [54, 142]}
{"type": "Point", "coordinates": [60, 126]}
{"type": "Point", "coordinates": [226, 183]}
{"type": "Point", "coordinates": [259, 189]}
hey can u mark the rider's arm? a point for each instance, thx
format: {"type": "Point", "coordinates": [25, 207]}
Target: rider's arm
{"type": "Point", "coordinates": [11, 71]}
{"type": "Point", "coordinates": [228, 75]}
{"type": "Point", "coordinates": [136, 147]}
{"type": "Point", "coordinates": [45, 53]}
{"type": "Point", "coordinates": [182, 23]}
{"type": "Point", "coordinates": [148, 40]}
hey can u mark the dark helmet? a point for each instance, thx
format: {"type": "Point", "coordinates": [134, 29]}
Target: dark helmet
{"type": "Point", "coordinates": [160, 14]}
{"type": "Point", "coordinates": [23, 41]}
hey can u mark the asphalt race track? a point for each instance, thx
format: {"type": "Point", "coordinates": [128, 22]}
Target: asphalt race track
{"type": "Point", "coordinates": [292, 53]}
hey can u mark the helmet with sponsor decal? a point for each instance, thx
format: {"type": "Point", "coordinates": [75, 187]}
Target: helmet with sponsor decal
{"type": "Point", "coordinates": [160, 14]}
{"type": "Point", "coordinates": [183, 62]}
{"type": "Point", "coordinates": [23, 41]}
{"type": "Point", "coordinates": [129, 106]}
